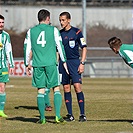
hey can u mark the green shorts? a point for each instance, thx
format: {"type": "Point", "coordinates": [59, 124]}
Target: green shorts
{"type": "Point", "coordinates": [4, 75]}
{"type": "Point", "coordinates": [45, 77]}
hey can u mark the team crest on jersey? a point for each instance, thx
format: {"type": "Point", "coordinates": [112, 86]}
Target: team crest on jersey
{"type": "Point", "coordinates": [72, 43]}
{"type": "Point", "coordinates": [1, 45]}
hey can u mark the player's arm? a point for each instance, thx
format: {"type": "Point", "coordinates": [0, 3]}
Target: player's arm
{"type": "Point", "coordinates": [82, 62]}
{"type": "Point", "coordinates": [83, 46]}
{"type": "Point", "coordinates": [60, 48]}
{"type": "Point", "coordinates": [59, 45]}
{"type": "Point", "coordinates": [9, 55]}
{"type": "Point", "coordinates": [83, 55]}
{"type": "Point", "coordinates": [29, 67]}
{"type": "Point", "coordinates": [27, 53]}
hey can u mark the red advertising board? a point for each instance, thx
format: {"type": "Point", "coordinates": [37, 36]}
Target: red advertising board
{"type": "Point", "coordinates": [19, 68]}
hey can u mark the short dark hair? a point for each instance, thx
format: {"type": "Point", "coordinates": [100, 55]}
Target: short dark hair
{"type": "Point", "coordinates": [67, 14]}
{"type": "Point", "coordinates": [43, 14]}
{"type": "Point", "coordinates": [2, 17]}
{"type": "Point", "coordinates": [114, 42]}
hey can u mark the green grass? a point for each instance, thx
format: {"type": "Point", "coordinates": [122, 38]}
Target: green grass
{"type": "Point", "coordinates": [108, 104]}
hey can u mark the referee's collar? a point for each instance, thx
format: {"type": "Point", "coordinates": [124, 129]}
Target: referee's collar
{"type": "Point", "coordinates": [1, 31]}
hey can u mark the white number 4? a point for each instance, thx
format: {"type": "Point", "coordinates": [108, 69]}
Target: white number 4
{"type": "Point", "coordinates": [41, 39]}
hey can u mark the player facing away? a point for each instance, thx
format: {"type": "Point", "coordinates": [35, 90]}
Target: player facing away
{"type": "Point", "coordinates": [72, 39]}
{"type": "Point", "coordinates": [43, 39]}
{"type": "Point", "coordinates": [124, 50]}
{"type": "Point", "coordinates": [5, 68]}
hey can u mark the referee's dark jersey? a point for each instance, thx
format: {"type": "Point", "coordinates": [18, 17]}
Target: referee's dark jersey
{"type": "Point", "coordinates": [72, 40]}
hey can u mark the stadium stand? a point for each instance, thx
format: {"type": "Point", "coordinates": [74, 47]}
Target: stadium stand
{"type": "Point", "coordinates": [71, 2]}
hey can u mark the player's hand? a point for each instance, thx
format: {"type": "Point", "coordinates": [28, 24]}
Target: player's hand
{"type": "Point", "coordinates": [11, 71]}
{"type": "Point", "coordinates": [81, 68]}
{"type": "Point", "coordinates": [65, 66]}
{"type": "Point", "coordinates": [28, 70]}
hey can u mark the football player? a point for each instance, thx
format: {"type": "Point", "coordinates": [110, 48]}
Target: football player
{"type": "Point", "coordinates": [5, 69]}
{"type": "Point", "coordinates": [42, 40]}
{"type": "Point", "coordinates": [124, 50]}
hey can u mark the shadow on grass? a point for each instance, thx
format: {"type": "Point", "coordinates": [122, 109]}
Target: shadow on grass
{"type": "Point", "coordinates": [27, 107]}
{"type": "Point", "coordinates": [115, 120]}
{"type": "Point", "coordinates": [49, 119]}
{"type": "Point", "coordinates": [34, 120]}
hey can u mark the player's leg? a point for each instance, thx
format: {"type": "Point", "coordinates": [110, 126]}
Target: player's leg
{"type": "Point", "coordinates": [77, 81]}
{"type": "Point", "coordinates": [65, 81]}
{"type": "Point", "coordinates": [41, 105]}
{"type": "Point", "coordinates": [47, 100]}
{"type": "Point", "coordinates": [2, 100]}
{"type": "Point", "coordinates": [68, 102]}
{"type": "Point", "coordinates": [81, 103]}
{"type": "Point", "coordinates": [4, 77]}
{"type": "Point", "coordinates": [39, 81]}
{"type": "Point", "coordinates": [54, 82]}
{"type": "Point", "coordinates": [57, 104]}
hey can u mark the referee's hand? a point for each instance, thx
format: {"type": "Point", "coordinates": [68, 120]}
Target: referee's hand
{"type": "Point", "coordinates": [81, 69]}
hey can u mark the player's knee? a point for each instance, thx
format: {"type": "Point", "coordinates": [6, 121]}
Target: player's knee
{"type": "Point", "coordinates": [67, 88]}
{"type": "Point", "coordinates": [57, 88]}
{"type": "Point", "coordinates": [77, 89]}
{"type": "Point", "coordinates": [2, 89]}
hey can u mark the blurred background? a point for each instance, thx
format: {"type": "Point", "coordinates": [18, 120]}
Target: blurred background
{"type": "Point", "coordinates": [99, 20]}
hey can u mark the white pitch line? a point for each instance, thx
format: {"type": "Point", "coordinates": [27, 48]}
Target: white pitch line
{"type": "Point", "coordinates": [9, 86]}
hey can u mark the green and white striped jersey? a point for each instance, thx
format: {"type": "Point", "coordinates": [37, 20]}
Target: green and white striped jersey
{"type": "Point", "coordinates": [126, 52]}
{"type": "Point", "coordinates": [5, 50]}
{"type": "Point", "coordinates": [44, 41]}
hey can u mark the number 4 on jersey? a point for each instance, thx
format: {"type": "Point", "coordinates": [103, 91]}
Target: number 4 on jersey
{"type": "Point", "coordinates": [41, 39]}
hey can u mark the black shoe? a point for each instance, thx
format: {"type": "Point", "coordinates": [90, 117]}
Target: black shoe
{"type": "Point", "coordinates": [69, 118]}
{"type": "Point", "coordinates": [82, 118]}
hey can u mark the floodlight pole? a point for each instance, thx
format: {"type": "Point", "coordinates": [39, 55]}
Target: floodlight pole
{"type": "Point", "coordinates": [84, 18]}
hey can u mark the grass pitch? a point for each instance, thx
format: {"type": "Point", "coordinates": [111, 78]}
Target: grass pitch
{"type": "Point", "coordinates": [108, 105]}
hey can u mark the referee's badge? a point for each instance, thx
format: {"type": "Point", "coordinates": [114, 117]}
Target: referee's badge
{"type": "Point", "coordinates": [72, 43]}
{"type": "Point", "coordinates": [82, 41]}
{"type": "Point", "coordinates": [1, 45]}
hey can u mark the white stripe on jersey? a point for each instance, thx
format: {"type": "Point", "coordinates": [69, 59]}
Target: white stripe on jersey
{"type": "Point", "coordinates": [8, 49]}
{"type": "Point", "coordinates": [58, 41]}
{"type": "Point", "coordinates": [28, 48]}
{"type": "Point", "coordinates": [0, 38]}
{"type": "Point", "coordinates": [9, 52]}
{"type": "Point", "coordinates": [130, 55]}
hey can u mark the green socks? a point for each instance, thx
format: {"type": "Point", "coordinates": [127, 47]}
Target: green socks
{"type": "Point", "coordinates": [46, 98]}
{"type": "Point", "coordinates": [2, 100]}
{"type": "Point", "coordinates": [57, 103]}
{"type": "Point", "coordinates": [41, 105]}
